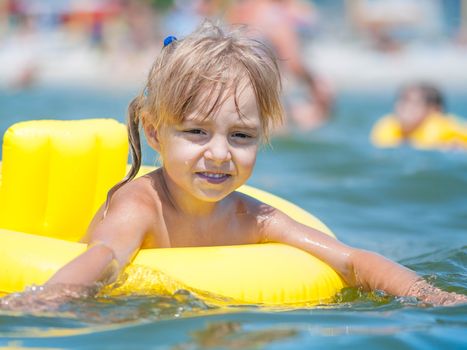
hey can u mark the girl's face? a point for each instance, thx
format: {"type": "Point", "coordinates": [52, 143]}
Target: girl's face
{"type": "Point", "coordinates": [208, 158]}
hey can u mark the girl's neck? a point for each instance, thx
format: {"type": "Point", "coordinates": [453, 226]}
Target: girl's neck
{"type": "Point", "coordinates": [184, 203]}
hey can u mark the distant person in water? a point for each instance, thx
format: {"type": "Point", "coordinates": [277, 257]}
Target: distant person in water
{"type": "Point", "coordinates": [308, 98]}
{"type": "Point", "coordinates": [420, 119]}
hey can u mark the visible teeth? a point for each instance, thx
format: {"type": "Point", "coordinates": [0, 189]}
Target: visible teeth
{"type": "Point", "coordinates": [212, 175]}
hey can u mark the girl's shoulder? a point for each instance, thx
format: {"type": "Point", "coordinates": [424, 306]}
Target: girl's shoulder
{"type": "Point", "coordinates": [142, 191]}
{"type": "Point", "coordinates": [133, 204]}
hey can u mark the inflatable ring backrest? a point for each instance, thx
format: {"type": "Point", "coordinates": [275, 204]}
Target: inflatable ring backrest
{"type": "Point", "coordinates": [55, 174]}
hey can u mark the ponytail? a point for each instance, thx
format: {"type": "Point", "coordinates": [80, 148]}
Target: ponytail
{"type": "Point", "coordinates": [134, 112]}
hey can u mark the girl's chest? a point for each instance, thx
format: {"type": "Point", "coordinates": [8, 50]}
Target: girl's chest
{"type": "Point", "coordinates": [180, 232]}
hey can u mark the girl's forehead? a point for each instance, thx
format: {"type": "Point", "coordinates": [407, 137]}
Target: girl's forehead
{"type": "Point", "coordinates": [239, 102]}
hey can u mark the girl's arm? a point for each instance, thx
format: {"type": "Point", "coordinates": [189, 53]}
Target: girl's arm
{"type": "Point", "coordinates": [113, 242]}
{"type": "Point", "coordinates": [359, 268]}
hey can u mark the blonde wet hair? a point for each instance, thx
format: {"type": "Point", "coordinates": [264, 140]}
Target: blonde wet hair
{"type": "Point", "coordinates": [196, 75]}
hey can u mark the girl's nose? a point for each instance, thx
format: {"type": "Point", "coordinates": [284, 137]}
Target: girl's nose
{"type": "Point", "coordinates": [218, 149]}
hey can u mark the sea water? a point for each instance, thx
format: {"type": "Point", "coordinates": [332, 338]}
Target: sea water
{"type": "Point", "coordinates": [408, 205]}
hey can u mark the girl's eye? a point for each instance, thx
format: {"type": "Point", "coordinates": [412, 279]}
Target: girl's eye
{"type": "Point", "coordinates": [241, 135]}
{"type": "Point", "coordinates": [194, 131]}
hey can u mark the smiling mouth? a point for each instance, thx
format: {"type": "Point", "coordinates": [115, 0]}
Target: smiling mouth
{"type": "Point", "coordinates": [215, 178]}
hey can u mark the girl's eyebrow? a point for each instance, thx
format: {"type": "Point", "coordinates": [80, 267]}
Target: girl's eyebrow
{"type": "Point", "coordinates": [246, 125]}
{"type": "Point", "coordinates": [207, 121]}
{"type": "Point", "coordinates": [196, 118]}
{"type": "Point", "coordinates": [197, 121]}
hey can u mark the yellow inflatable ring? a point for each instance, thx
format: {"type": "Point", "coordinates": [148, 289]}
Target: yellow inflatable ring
{"type": "Point", "coordinates": [437, 131]}
{"type": "Point", "coordinates": [269, 274]}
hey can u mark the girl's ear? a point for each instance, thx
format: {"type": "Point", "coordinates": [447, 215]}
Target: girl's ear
{"type": "Point", "coordinates": [151, 135]}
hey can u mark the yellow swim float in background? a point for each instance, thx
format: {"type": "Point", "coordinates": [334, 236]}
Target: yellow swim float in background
{"type": "Point", "coordinates": [437, 131]}
{"type": "Point", "coordinates": [55, 175]}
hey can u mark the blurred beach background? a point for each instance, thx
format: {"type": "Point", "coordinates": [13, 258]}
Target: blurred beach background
{"type": "Point", "coordinates": [111, 43]}
{"type": "Point", "coordinates": [75, 59]}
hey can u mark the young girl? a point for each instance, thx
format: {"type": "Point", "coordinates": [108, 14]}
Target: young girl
{"type": "Point", "coordinates": [208, 104]}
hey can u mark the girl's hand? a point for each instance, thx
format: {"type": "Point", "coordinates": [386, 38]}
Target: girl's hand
{"type": "Point", "coordinates": [44, 298]}
{"type": "Point", "coordinates": [430, 294]}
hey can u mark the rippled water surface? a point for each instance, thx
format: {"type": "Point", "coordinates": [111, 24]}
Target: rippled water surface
{"type": "Point", "coordinates": [408, 205]}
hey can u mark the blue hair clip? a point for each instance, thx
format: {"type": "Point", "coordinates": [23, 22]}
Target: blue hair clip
{"type": "Point", "coordinates": [168, 40]}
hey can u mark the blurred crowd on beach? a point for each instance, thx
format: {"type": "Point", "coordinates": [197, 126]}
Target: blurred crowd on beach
{"type": "Point", "coordinates": [119, 35]}
{"type": "Point", "coordinates": [323, 46]}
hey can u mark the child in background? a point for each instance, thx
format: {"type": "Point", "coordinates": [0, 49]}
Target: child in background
{"type": "Point", "coordinates": [419, 119]}
{"type": "Point", "coordinates": [208, 104]}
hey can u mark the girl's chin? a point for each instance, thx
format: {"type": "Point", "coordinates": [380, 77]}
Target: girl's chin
{"type": "Point", "coordinates": [212, 196]}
